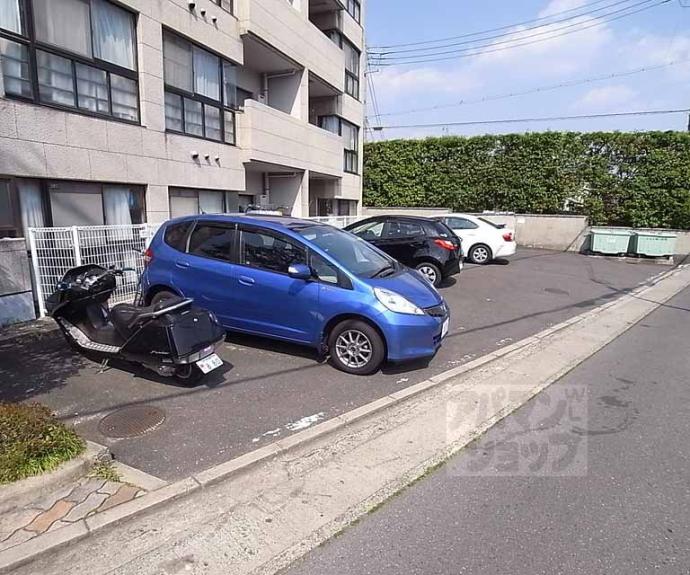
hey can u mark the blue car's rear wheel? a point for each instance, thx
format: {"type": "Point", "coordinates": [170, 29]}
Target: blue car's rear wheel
{"type": "Point", "coordinates": [356, 347]}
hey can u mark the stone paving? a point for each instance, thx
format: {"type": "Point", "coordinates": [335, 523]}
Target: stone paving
{"type": "Point", "coordinates": [75, 502]}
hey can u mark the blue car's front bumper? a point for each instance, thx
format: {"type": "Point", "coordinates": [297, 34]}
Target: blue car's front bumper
{"type": "Point", "coordinates": [411, 337]}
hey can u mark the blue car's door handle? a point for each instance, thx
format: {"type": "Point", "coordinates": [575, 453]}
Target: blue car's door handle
{"type": "Point", "coordinates": [246, 280]}
{"type": "Point", "coordinates": [181, 264]}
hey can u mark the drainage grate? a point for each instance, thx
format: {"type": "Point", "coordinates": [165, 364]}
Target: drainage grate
{"type": "Point", "coordinates": [131, 421]}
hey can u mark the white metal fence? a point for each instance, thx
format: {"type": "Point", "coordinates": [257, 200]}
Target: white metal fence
{"type": "Point", "coordinates": [56, 250]}
{"type": "Point", "coordinates": [337, 221]}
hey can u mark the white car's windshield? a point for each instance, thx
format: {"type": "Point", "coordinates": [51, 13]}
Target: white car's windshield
{"type": "Point", "coordinates": [354, 254]}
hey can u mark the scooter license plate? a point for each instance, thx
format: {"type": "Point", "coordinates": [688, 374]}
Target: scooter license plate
{"type": "Point", "coordinates": [444, 329]}
{"type": "Point", "coordinates": [209, 363]}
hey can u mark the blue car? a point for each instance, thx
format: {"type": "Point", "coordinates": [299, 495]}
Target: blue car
{"type": "Point", "coordinates": [299, 281]}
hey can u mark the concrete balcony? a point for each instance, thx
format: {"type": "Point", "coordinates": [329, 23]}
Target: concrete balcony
{"type": "Point", "coordinates": [273, 137]}
{"type": "Point", "coordinates": [278, 24]}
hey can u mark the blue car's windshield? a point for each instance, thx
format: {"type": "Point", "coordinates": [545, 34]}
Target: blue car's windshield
{"type": "Point", "coordinates": [354, 254]}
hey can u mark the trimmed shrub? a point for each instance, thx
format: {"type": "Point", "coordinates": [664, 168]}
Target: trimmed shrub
{"type": "Point", "coordinates": [628, 179]}
{"type": "Point", "coordinates": [33, 441]}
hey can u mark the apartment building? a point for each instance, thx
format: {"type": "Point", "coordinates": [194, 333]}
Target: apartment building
{"type": "Point", "coordinates": [132, 111]}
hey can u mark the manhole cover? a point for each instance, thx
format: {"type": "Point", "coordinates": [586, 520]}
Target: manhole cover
{"type": "Point", "coordinates": [131, 421]}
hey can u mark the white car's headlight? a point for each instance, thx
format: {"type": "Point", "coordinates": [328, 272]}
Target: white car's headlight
{"type": "Point", "coordinates": [396, 303]}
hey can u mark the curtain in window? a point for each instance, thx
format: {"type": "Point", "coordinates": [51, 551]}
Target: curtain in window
{"type": "Point", "coordinates": [173, 112]}
{"type": "Point", "coordinates": [113, 34]}
{"type": "Point", "coordinates": [210, 202]}
{"type": "Point", "coordinates": [10, 16]}
{"type": "Point", "coordinates": [55, 84]}
{"type": "Point", "coordinates": [31, 204]}
{"type": "Point", "coordinates": [64, 23]}
{"type": "Point", "coordinates": [230, 85]}
{"type": "Point", "coordinates": [125, 96]}
{"type": "Point", "coordinates": [351, 58]}
{"type": "Point", "coordinates": [177, 59]}
{"type": "Point", "coordinates": [351, 136]}
{"type": "Point", "coordinates": [206, 73]}
{"type": "Point", "coordinates": [92, 87]}
{"type": "Point", "coordinates": [15, 68]}
{"type": "Point", "coordinates": [116, 205]}
{"type": "Point", "coordinates": [330, 123]}
{"type": "Point", "coordinates": [212, 122]}
{"type": "Point", "coordinates": [193, 117]}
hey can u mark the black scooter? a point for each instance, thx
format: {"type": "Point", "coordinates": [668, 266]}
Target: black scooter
{"type": "Point", "coordinates": [172, 337]}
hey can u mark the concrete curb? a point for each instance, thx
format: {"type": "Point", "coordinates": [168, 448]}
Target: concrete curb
{"type": "Point", "coordinates": [24, 553]}
{"type": "Point", "coordinates": [30, 331]}
{"type": "Point", "coordinates": [23, 492]}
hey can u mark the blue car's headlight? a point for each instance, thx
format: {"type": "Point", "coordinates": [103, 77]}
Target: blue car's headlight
{"type": "Point", "coordinates": [396, 303]}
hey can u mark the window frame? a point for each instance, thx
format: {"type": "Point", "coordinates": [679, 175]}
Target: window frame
{"type": "Point", "coordinates": [350, 75]}
{"type": "Point", "coordinates": [214, 224]}
{"type": "Point", "coordinates": [241, 228]}
{"type": "Point", "coordinates": [14, 230]}
{"type": "Point", "coordinates": [354, 9]}
{"type": "Point", "coordinates": [222, 4]}
{"type": "Point", "coordinates": [200, 98]}
{"type": "Point", "coordinates": [352, 154]}
{"type": "Point", "coordinates": [473, 226]}
{"type": "Point", "coordinates": [173, 192]}
{"type": "Point", "coordinates": [28, 38]}
{"type": "Point", "coordinates": [349, 153]}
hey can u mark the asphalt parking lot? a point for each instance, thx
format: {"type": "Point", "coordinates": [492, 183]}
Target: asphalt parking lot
{"type": "Point", "coordinates": [268, 390]}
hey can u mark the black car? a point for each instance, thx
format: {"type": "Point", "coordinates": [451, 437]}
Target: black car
{"type": "Point", "coordinates": [420, 243]}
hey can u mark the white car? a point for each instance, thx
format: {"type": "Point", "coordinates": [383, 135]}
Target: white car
{"type": "Point", "coordinates": [482, 240]}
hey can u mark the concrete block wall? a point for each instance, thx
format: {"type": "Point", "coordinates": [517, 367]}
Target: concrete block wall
{"type": "Point", "coordinates": [16, 297]}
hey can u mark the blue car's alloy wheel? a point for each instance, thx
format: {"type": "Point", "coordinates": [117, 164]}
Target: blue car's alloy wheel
{"type": "Point", "coordinates": [356, 347]}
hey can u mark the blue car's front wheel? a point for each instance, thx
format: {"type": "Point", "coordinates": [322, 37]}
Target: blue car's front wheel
{"type": "Point", "coordinates": [356, 347]}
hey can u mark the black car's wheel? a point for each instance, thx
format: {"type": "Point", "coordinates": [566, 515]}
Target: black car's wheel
{"type": "Point", "coordinates": [356, 347]}
{"type": "Point", "coordinates": [480, 254]}
{"type": "Point", "coordinates": [431, 272]}
{"type": "Point", "coordinates": [161, 296]}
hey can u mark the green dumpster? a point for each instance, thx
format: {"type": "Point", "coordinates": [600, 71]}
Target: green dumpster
{"type": "Point", "coordinates": [610, 241]}
{"type": "Point", "coordinates": [654, 243]}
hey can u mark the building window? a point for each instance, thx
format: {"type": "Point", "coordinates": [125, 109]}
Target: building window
{"type": "Point", "coordinates": [350, 134]}
{"type": "Point", "coordinates": [352, 57]}
{"type": "Point", "coordinates": [200, 91]}
{"type": "Point", "coordinates": [226, 5]}
{"type": "Point", "coordinates": [10, 226]}
{"type": "Point", "coordinates": [330, 123]}
{"type": "Point", "coordinates": [61, 203]}
{"type": "Point", "coordinates": [189, 202]}
{"type": "Point", "coordinates": [78, 54]}
{"type": "Point", "coordinates": [354, 9]}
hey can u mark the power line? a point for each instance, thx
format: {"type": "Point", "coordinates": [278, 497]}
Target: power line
{"type": "Point", "coordinates": [536, 119]}
{"type": "Point", "coordinates": [463, 53]}
{"type": "Point", "coordinates": [468, 35]}
{"type": "Point", "coordinates": [379, 52]}
{"type": "Point", "coordinates": [535, 90]}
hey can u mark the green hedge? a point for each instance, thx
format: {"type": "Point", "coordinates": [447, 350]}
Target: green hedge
{"type": "Point", "coordinates": [33, 441]}
{"type": "Point", "coordinates": [629, 179]}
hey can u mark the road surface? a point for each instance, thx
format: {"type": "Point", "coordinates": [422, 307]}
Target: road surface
{"type": "Point", "coordinates": [620, 505]}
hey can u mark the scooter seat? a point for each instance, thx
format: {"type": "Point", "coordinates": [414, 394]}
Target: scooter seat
{"type": "Point", "coordinates": [124, 315]}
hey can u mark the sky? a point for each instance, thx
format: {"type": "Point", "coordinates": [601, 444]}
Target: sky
{"type": "Point", "coordinates": [653, 37]}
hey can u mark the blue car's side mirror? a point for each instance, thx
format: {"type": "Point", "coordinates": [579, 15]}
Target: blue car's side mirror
{"type": "Point", "coordinates": [299, 271]}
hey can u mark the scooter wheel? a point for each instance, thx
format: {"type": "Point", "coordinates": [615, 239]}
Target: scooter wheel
{"type": "Point", "coordinates": [189, 375]}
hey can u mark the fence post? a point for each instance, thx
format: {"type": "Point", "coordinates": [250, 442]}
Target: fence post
{"type": "Point", "coordinates": [77, 247]}
{"type": "Point", "coordinates": [37, 272]}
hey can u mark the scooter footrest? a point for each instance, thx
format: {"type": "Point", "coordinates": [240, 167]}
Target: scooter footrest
{"type": "Point", "coordinates": [83, 340]}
